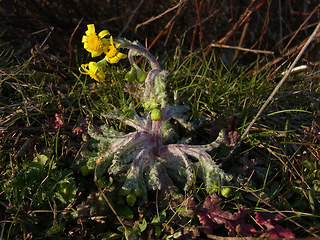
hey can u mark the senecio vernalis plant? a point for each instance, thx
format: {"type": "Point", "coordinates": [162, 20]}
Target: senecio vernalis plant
{"type": "Point", "coordinates": [142, 157]}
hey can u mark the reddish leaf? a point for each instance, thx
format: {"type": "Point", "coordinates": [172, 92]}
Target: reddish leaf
{"type": "Point", "coordinates": [273, 231]}
{"type": "Point", "coordinates": [247, 162]}
{"type": "Point", "coordinates": [211, 215]}
{"type": "Point", "coordinates": [58, 121]}
{"type": "Point", "coordinates": [231, 136]}
{"type": "Point", "coordinates": [77, 131]}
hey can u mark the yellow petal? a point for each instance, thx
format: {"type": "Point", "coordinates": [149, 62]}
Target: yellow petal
{"type": "Point", "coordinates": [103, 33]}
{"type": "Point", "coordinates": [93, 67]}
{"type": "Point", "coordinates": [83, 69]}
{"type": "Point", "coordinates": [111, 40]}
{"type": "Point", "coordinates": [113, 60]}
{"type": "Point", "coordinates": [94, 54]}
{"type": "Point", "coordinates": [121, 55]}
{"type": "Point", "coordinates": [91, 29]}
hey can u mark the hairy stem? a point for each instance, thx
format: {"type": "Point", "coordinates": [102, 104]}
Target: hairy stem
{"type": "Point", "coordinates": [137, 49]}
{"type": "Point", "coordinates": [156, 131]}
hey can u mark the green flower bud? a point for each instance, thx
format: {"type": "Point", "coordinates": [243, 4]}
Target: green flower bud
{"type": "Point", "coordinates": [141, 75]}
{"type": "Point", "coordinates": [215, 188]}
{"type": "Point", "coordinates": [63, 188]}
{"type": "Point", "coordinates": [138, 192]}
{"type": "Point", "coordinates": [131, 199]}
{"type": "Point", "coordinates": [227, 192]}
{"type": "Point", "coordinates": [102, 182]}
{"type": "Point", "coordinates": [100, 199]}
{"type": "Point", "coordinates": [150, 105]}
{"type": "Point", "coordinates": [85, 170]}
{"type": "Point", "coordinates": [131, 75]}
{"type": "Point", "coordinates": [125, 191]}
{"type": "Point", "coordinates": [156, 114]}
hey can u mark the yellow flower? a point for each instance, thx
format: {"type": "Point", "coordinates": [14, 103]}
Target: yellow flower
{"type": "Point", "coordinates": [94, 70]}
{"type": "Point", "coordinates": [112, 54]}
{"type": "Point", "coordinates": [93, 43]}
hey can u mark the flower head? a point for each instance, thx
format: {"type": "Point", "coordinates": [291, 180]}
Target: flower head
{"type": "Point", "coordinates": [112, 54]}
{"type": "Point", "coordinates": [94, 43]}
{"type": "Point", "coordinates": [94, 70]}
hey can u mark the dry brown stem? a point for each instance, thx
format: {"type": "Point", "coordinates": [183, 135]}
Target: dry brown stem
{"type": "Point", "coordinates": [257, 51]}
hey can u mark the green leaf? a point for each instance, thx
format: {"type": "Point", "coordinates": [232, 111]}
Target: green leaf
{"type": "Point", "coordinates": [56, 229]}
{"type": "Point", "coordinates": [121, 229]}
{"type": "Point", "coordinates": [102, 182]}
{"type": "Point", "coordinates": [41, 159]}
{"type": "Point", "coordinates": [177, 235]}
{"type": "Point", "coordinates": [109, 236]}
{"type": "Point", "coordinates": [312, 200]}
{"type": "Point", "coordinates": [125, 212]}
{"type": "Point", "coordinates": [85, 171]}
{"type": "Point", "coordinates": [159, 218]}
{"type": "Point", "coordinates": [157, 233]}
{"type": "Point", "coordinates": [130, 234]}
{"type": "Point", "coordinates": [143, 225]}
{"type": "Point", "coordinates": [102, 168]}
{"type": "Point", "coordinates": [141, 75]}
{"type": "Point", "coordinates": [66, 190]}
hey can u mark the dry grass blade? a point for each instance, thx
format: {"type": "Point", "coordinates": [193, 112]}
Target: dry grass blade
{"type": "Point", "coordinates": [168, 26]}
{"type": "Point", "coordinates": [105, 197]}
{"type": "Point", "coordinates": [279, 84]}
{"type": "Point", "coordinates": [301, 26]}
{"type": "Point", "coordinates": [257, 51]}
{"type": "Point", "coordinates": [130, 19]}
{"type": "Point", "coordinates": [228, 238]}
{"type": "Point", "coordinates": [160, 15]}
{"type": "Point", "coordinates": [70, 41]}
{"type": "Point", "coordinates": [283, 215]}
{"type": "Point", "coordinates": [197, 25]}
{"type": "Point", "coordinates": [253, 7]}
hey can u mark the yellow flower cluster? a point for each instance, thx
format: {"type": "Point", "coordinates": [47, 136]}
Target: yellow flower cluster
{"type": "Point", "coordinates": [93, 70]}
{"type": "Point", "coordinates": [97, 44]}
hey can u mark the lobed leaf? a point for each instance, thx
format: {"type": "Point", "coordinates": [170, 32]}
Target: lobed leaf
{"type": "Point", "coordinates": [211, 215]}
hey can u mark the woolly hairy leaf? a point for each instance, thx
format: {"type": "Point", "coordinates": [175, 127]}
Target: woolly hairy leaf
{"type": "Point", "coordinates": [104, 134]}
{"type": "Point", "coordinates": [153, 177]}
